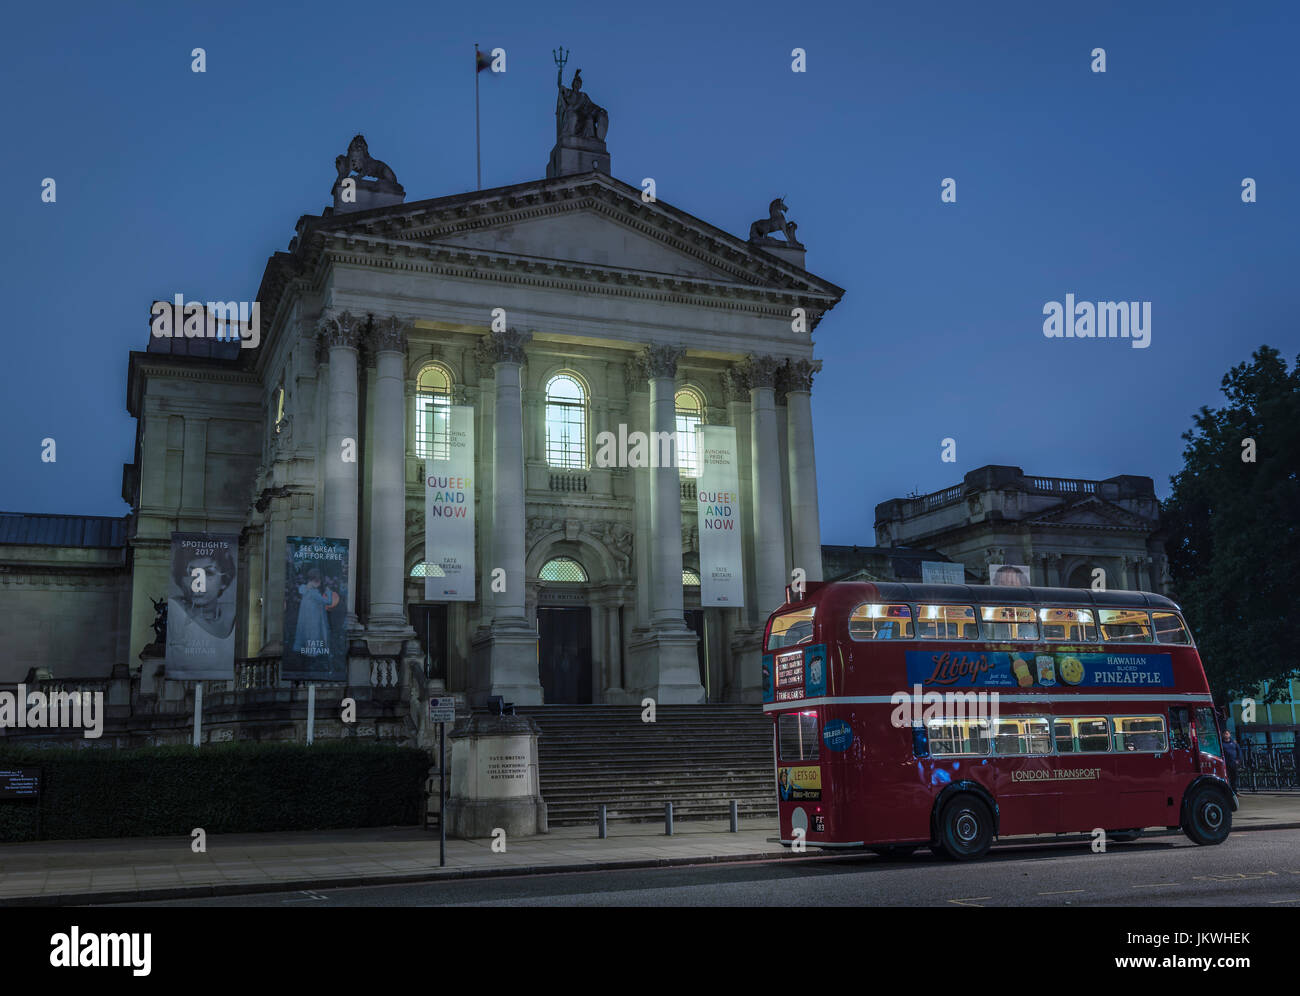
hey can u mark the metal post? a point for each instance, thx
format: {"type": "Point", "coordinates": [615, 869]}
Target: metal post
{"type": "Point", "coordinates": [311, 714]}
{"type": "Point", "coordinates": [478, 156]}
{"type": "Point", "coordinates": [198, 713]}
{"type": "Point", "coordinates": [602, 828]}
{"type": "Point", "coordinates": [735, 816]}
{"type": "Point", "coordinates": [668, 819]}
{"type": "Point", "coordinates": [442, 795]}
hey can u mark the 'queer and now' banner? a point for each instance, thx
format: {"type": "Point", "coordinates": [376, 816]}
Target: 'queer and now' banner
{"type": "Point", "coordinates": [722, 578]}
{"type": "Point", "coordinates": [449, 511]}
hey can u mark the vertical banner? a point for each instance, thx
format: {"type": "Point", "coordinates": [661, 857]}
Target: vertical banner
{"type": "Point", "coordinates": [722, 579]}
{"type": "Point", "coordinates": [315, 645]}
{"type": "Point", "coordinates": [201, 607]}
{"type": "Point", "coordinates": [449, 510]}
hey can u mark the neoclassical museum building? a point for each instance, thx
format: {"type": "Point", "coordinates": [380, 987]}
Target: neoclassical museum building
{"type": "Point", "coordinates": [557, 310]}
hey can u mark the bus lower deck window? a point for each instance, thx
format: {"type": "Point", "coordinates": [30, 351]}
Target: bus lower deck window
{"type": "Point", "coordinates": [1139, 734]}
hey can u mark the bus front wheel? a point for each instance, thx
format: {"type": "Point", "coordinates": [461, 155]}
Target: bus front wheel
{"type": "Point", "coordinates": [965, 828]}
{"type": "Point", "coordinates": [1209, 817]}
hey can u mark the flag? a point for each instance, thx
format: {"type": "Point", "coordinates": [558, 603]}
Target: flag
{"type": "Point", "coordinates": [482, 60]}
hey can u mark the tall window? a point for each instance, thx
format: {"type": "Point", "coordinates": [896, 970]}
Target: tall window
{"type": "Point", "coordinates": [690, 413]}
{"type": "Point", "coordinates": [279, 408]}
{"type": "Point", "coordinates": [566, 423]}
{"type": "Point", "coordinates": [432, 410]}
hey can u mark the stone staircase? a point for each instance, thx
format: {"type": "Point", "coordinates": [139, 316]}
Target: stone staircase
{"type": "Point", "coordinates": [698, 757]}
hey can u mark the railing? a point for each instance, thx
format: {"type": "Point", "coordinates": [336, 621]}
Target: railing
{"type": "Point", "coordinates": [689, 492]}
{"type": "Point", "coordinates": [385, 672]}
{"type": "Point", "coordinates": [1267, 769]}
{"type": "Point", "coordinates": [1064, 485]}
{"type": "Point", "coordinates": [87, 686]}
{"type": "Point", "coordinates": [936, 499]}
{"type": "Point", "coordinates": [257, 672]}
{"type": "Point", "coordinates": [569, 482]}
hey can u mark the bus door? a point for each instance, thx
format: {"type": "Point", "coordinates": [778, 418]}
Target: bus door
{"type": "Point", "coordinates": [1085, 772]}
{"type": "Point", "coordinates": [1142, 761]}
{"type": "Point", "coordinates": [799, 775]}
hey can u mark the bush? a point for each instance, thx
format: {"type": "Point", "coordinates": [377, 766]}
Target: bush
{"type": "Point", "coordinates": [223, 788]}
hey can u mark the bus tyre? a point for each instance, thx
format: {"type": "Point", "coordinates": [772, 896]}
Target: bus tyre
{"type": "Point", "coordinates": [965, 828]}
{"type": "Point", "coordinates": [1209, 816]}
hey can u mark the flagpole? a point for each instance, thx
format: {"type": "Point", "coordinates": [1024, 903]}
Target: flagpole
{"type": "Point", "coordinates": [478, 156]}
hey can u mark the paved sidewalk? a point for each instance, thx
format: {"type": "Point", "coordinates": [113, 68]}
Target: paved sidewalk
{"type": "Point", "coordinates": [68, 872]}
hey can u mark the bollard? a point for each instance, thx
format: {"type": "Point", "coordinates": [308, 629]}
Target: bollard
{"type": "Point", "coordinates": [735, 816]}
{"type": "Point", "coordinates": [668, 819]}
{"type": "Point", "coordinates": [602, 830]}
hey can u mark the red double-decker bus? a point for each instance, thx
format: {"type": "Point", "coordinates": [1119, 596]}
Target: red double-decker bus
{"type": "Point", "coordinates": [948, 716]}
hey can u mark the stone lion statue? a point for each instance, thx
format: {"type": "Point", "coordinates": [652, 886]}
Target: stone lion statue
{"type": "Point", "coordinates": [360, 161]}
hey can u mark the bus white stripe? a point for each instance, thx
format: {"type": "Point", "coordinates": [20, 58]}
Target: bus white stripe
{"type": "Point", "coordinates": [888, 699]}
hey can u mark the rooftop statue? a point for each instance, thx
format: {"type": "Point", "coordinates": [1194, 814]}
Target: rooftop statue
{"type": "Point", "coordinates": [359, 160]}
{"type": "Point", "coordinates": [759, 231]}
{"type": "Point", "coordinates": [576, 115]}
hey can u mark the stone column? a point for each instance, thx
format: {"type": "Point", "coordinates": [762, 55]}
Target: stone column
{"type": "Point", "coordinates": [805, 520]}
{"type": "Point", "coordinates": [769, 536]}
{"type": "Point", "coordinates": [388, 481]}
{"type": "Point", "coordinates": [665, 490]}
{"type": "Point", "coordinates": [341, 334]}
{"type": "Point", "coordinates": [663, 660]}
{"type": "Point", "coordinates": [506, 654]}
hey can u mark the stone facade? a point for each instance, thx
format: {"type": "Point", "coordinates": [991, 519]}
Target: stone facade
{"type": "Point", "coordinates": [1064, 529]}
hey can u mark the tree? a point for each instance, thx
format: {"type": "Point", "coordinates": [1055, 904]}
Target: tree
{"type": "Point", "coordinates": [1234, 528]}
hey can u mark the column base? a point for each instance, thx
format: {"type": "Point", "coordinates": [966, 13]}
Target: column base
{"type": "Point", "coordinates": [666, 668]}
{"type": "Point", "coordinates": [504, 662]}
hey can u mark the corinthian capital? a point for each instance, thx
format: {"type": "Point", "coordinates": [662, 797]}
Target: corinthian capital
{"type": "Point", "coordinates": [502, 347]}
{"type": "Point", "coordinates": [340, 330]}
{"type": "Point", "coordinates": [797, 375]}
{"type": "Point", "coordinates": [660, 361]}
{"type": "Point", "coordinates": [389, 335]}
{"type": "Point", "coordinates": [760, 371]}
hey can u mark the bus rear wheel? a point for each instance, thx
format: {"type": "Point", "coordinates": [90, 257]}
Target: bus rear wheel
{"type": "Point", "coordinates": [965, 828]}
{"type": "Point", "coordinates": [1209, 817]}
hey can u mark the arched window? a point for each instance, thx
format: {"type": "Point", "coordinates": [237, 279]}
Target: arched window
{"type": "Point", "coordinates": [424, 569]}
{"type": "Point", "coordinates": [566, 423]}
{"type": "Point", "coordinates": [279, 408]}
{"type": "Point", "coordinates": [562, 569]}
{"type": "Point", "coordinates": [432, 408]}
{"type": "Point", "coordinates": [690, 413]}
{"type": "Point", "coordinates": [690, 578]}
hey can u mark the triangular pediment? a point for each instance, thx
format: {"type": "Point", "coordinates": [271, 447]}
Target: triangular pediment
{"type": "Point", "coordinates": [591, 221]}
{"type": "Point", "coordinates": [1090, 511]}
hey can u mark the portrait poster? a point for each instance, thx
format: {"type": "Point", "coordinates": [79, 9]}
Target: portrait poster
{"type": "Point", "coordinates": [201, 607]}
{"type": "Point", "coordinates": [1016, 575]}
{"type": "Point", "coordinates": [315, 610]}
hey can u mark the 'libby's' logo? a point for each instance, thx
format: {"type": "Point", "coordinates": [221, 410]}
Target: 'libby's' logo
{"type": "Point", "coordinates": [949, 669]}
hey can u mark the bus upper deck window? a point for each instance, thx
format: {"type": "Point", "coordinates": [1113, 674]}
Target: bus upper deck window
{"type": "Point", "coordinates": [946, 622]}
{"type": "Point", "coordinates": [1170, 628]}
{"type": "Point", "coordinates": [791, 629]}
{"type": "Point", "coordinates": [881, 622]}
{"type": "Point", "coordinates": [1068, 625]}
{"type": "Point", "coordinates": [1125, 626]}
{"type": "Point", "coordinates": [1008, 622]}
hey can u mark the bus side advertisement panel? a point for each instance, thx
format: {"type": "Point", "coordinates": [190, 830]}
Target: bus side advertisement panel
{"type": "Point", "coordinates": [999, 669]}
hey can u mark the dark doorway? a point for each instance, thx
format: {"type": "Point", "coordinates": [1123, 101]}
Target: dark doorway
{"type": "Point", "coordinates": [695, 623]}
{"type": "Point", "coordinates": [430, 624]}
{"type": "Point", "coordinates": [564, 655]}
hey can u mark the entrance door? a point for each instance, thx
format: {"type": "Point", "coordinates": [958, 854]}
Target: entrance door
{"type": "Point", "coordinates": [695, 623]}
{"type": "Point", "coordinates": [430, 624]}
{"type": "Point", "coordinates": [564, 655]}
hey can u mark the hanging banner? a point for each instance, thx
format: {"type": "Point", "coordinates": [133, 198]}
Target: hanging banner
{"type": "Point", "coordinates": [449, 508]}
{"type": "Point", "coordinates": [315, 646]}
{"type": "Point", "coordinates": [722, 578]}
{"type": "Point", "coordinates": [201, 607]}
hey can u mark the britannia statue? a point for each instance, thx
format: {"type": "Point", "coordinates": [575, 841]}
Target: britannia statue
{"type": "Point", "coordinates": [576, 115]}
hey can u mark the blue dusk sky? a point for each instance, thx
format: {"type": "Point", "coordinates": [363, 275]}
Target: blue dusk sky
{"type": "Point", "coordinates": [1123, 185]}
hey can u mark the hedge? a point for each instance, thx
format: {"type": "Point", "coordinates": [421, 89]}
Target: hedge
{"type": "Point", "coordinates": [223, 788]}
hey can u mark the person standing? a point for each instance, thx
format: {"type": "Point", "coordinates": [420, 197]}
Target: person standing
{"type": "Point", "coordinates": [1232, 757]}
